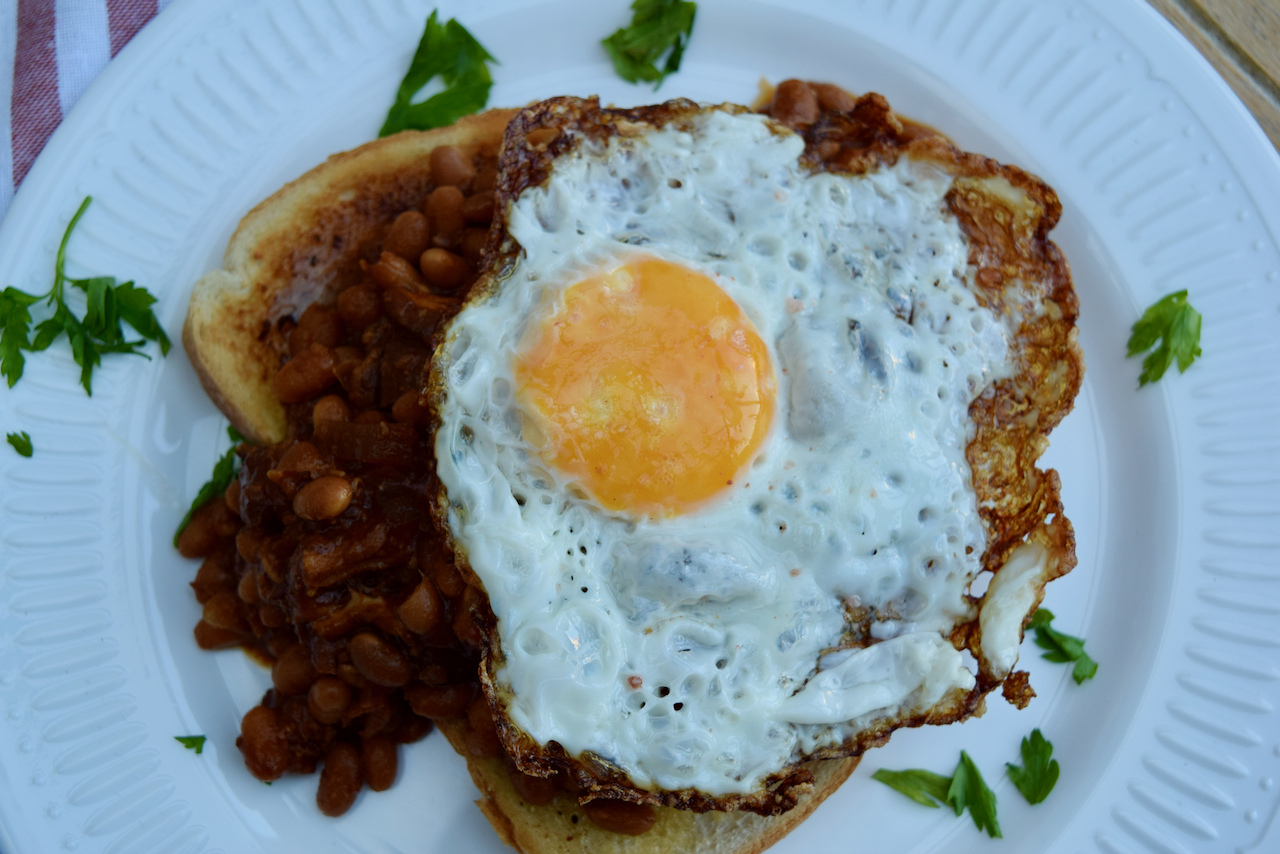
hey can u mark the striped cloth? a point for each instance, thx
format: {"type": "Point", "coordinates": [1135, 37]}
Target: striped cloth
{"type": "Point", "coordinates": [52, 50]}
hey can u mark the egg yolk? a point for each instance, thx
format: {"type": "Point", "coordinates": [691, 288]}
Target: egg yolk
{"type": "Point", "coordinates": [648, 386]}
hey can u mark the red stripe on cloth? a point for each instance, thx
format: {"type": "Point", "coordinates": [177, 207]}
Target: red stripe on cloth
{"type": "Point", "coordinates": [34, 109]}
{"type": "Point", "coordinates": [125, 18]}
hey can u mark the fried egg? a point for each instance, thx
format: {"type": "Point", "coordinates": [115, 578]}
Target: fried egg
{"type": "Point", "coordinates": [704, 446]}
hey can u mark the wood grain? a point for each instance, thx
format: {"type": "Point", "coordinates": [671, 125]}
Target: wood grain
{"type": "Point", "coordinates": [1241, 38]}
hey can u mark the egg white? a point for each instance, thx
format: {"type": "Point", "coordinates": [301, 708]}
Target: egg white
{"type": "Point", "coordinates": [731, 618]}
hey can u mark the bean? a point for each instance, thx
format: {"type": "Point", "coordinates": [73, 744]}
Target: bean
{"type": "Point", "coordinates": [370, 416]}
{"type": "Point", "coordinates": [360, 305]}
{"type": "Point", "coordinates": [328, 699]}
{"type": "Point", "coordinates": [379, 715]}
{"type": "Point", "coordinates": [340, 780]}
{"type": "Point", "coordinates": [440, 701]}
{"type": "Point", "coordinates": [272, 615]}
{"type": "Point", "coordinates": [444, 209]}
{"type": "Point", "coordinates": [378, 756]}
{"type": "Point", "coordinates": [305, 375]}
{"type": "Point", "coordinates": [323, 498]}
{"type": "Point", "coordinates": [444, 270]}
{"type": "Point", "coordinates": [422, 610]}
{"type": "Point", "coordinates": [223, 611]}
{"type": "Point", "coordinates": [411, 728]}
{"type": "Point", "coordinates": [538, 791]}
{"type": "Point", "coordinates": [486, 178]}
{"type": "Point", "coordinates": [434, 674]}
{"type": "Point", "coordinates": [331, 407]}
{"type": "Point", "coordinates": [409, 409]}
{"type": "Point", "coordinates": [448, 578]}
{"type": "Point", "coordinates": [832, 97]}
{"type": "Point", "coordinates": [347, 673]}
{"type": "Point", "coordinates": [483, 739]}
{"type": "Point", "coordinates": [620, 816]}
{"type": "Point", "coordinates": [409, 236]}
{"type": "Point", "coordinates": [247, 589]}
{"type": "Point", "coordinates": [208, 526]}
{"type": "Point", "coordinates": [293, 671]}
{"type": "Point", "coordinates": [392, 271]}
{"type": "Point", "coordinates": [317, 325]}
{"type": "Point", "coordinates": [212, 637]}
{"type": "Point", "coordinates": [249, 543]}
{"type": "Point", "coordinates": [479, 208]}
{"type": "Point", "coordinates": [232, 497]}
{"type": "Point", "coordinates": [347, 353]}
{"type": "Point", "coordinates": [302, 457]}
{"type": "Point", "coordinates": [795, 103]}
{"type": "Point", "coordinates": [379, 660]}
{"type": "Point", "coordinates": [450, 167]}
{"type": "Point", "coordinates": [473, 242]}
{"type": "Point", "coordinates": [263, 743]}
{"type": "Point", "coordinates": [213, 576]}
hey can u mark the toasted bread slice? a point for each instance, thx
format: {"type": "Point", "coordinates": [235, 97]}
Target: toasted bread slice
{"type": "Point", "coordinates": [300, 246]}
{"type": "Point", "coordinates": [304, 244]}
{"type": "Point", "coordinates": [562, 827]}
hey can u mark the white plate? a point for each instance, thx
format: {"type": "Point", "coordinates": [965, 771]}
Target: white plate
{"type": "Point", "coordinates": [1165, 181]}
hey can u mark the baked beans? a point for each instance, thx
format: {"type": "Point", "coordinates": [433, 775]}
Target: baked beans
{"type": "Point", "coordinates": [322, 556]}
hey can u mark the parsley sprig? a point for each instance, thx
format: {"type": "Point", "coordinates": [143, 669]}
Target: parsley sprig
{"type": "Point", "coordinates": [107, 306]}
{"type": "Point", "coordinates": [1036, 777]}
{"type": "Point", "coordinates": [450, 52]}
{"type": "Point", "coordinates": [1176, 325]}
{"type": "Point", "coordinates": [657, 27]}
{"type": "Point", "coordinates": [192, 742]}
{"type": "Point", "coordinates": [225, 470]}
{"type": "Point", "coordinates": [1062, 648]}
{"type": "Point", "coordinates": [964, 789]}
{"type": "Point", "coordinates": [21, 443]}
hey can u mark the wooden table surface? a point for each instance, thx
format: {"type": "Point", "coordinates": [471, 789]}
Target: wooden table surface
{"type": "Point", "coordinates": [1242, 40]}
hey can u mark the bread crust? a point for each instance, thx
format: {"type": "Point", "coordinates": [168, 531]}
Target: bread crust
{"type": "Point", "coordinates": [302, 245]}
{"type": "Point", "coordinates": [562, 828]}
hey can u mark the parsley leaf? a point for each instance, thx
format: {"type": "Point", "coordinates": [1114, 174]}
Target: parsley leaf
{"type": "Point", "coordinates": [107, 306]}
{"type": "Point", "coordinates": [1038, 773]}
{"type": "Point", "coordinates": [923, 787]}
{"type": "Point", "coordinates": [453, 54]}
{"type": "Point", "coordinates": [224, 471]}
{"type": "Point", "coordinates": [969, 790]}
{"type": "Point", "coordinates": [191, 742]}
{"type": "Point", "coordinates": [1062, 648]}
{"type": "Point", "coordinates": [964, 788]}
{"type": "Point", "coordinates": [21, 443]}
{"type": "Point", "coordinates": [15, 330]}
{"type": "Point", "coordinates": [657, 26]}
{"type": "Point", "coordinates": [1176, 325]}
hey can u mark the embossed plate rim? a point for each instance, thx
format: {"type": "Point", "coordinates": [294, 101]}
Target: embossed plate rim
{"type": "Point", "coordinates": [1125, 810]}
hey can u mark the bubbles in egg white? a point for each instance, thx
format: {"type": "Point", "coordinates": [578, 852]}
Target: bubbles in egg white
{"type": "Point", "coordinates": [727, 617]}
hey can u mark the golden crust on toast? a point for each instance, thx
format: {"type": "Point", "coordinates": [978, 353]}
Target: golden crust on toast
{"type": "Point", "coordinates": [1018, 274]}
{"type": "Point", "coordinates": [300, 246]}
{"type": "Point", "coordinates": [561, 827]}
